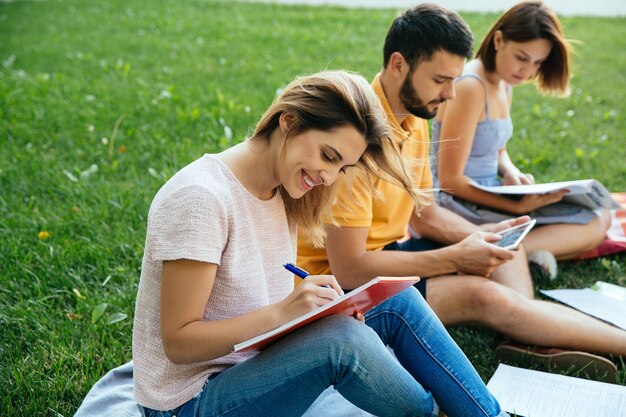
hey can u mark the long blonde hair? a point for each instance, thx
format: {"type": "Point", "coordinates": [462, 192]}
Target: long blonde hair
{"type": "Point", "coordinates": [326, 101]}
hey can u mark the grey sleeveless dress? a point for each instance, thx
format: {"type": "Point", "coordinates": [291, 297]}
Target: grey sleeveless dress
{"type": "Point", "coordinates": [482, 167]}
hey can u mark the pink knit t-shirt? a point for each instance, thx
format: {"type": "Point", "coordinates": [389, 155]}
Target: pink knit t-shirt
{"type": "Point", "coordinates": [203, 213]}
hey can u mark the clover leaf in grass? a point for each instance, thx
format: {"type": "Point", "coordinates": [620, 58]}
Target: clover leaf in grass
{"type": "Point", "coordinates": [97, 312]}
{"type": "Point", "coordinates": [115, 317]}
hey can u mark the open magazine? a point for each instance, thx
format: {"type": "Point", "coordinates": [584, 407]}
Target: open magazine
{"type": "Point", "coordinates": [586, 193]}
{"type": "Point", "coordinates": [359, 300]}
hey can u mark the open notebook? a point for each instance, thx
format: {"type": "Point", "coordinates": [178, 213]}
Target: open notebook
{"type": "Point", "coordinates": [359, 300]}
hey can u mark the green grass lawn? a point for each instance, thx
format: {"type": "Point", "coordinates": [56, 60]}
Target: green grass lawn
{"type": "Point", "coordinates": [101, 102]}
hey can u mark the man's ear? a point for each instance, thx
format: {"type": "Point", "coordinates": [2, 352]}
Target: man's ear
{"type": "Point", "coordinates": [398, 66]}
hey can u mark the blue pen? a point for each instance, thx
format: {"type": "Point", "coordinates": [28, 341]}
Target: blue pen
{"type": "Point", "coordinates": [296, 270]}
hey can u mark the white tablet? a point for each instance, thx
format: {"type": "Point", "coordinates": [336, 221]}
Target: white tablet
{"type": "Point", "coordinates": [512, 237]}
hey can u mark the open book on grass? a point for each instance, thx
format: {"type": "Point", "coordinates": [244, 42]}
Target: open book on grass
{"type": "Point", "coordinates": [587, 193]}
{"type": "Point", "coordinates": [359, 300]}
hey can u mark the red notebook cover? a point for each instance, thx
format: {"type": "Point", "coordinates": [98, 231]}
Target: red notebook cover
{"type": "Point", "coordinates": [359, 300]}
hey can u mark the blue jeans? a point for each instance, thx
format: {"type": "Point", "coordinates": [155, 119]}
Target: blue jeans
{"type": "Point", "coordinates": [424, 348]}
{"type": "Point", "coordinates": [287, 377]}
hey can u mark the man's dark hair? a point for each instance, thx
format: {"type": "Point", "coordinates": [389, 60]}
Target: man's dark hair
{"type": "Point", "coordinates": [425, 29]}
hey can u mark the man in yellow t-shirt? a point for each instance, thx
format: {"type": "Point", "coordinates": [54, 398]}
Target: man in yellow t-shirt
{"type": "Point", "coordinates": [385, 220]}
{"type": "Point", "coordinates": [465, 278]}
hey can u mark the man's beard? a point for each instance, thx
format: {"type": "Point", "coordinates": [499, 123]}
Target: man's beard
{"type": "Point", "coordinates": [412, 101]}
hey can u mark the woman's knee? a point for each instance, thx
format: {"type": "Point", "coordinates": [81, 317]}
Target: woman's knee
{"type": "Point", "coordinates": [406, 310]}
{"type": "Point", "coordinates": [597, 228]}
{"type": "Point", "coordinates": [604, 220]}
{"type": "Point", "coordinates": [409, 301]}
{"type": "Point", "coordinates": [344, 334]}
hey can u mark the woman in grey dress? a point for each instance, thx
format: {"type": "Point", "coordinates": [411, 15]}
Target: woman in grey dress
{"type": "Point", "coordinates": [470, 133]}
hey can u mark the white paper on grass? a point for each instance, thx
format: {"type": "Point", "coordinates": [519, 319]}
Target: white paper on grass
{"type": "Point", "coordinates": [592, 303]}
{"type": "Point", "coordinates": [613, 291]}
{"type": "Point", "coordinates": [531, 393]}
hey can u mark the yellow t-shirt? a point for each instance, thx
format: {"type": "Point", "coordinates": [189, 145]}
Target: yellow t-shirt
{"type": "Point", "coordinates": [386, 217]}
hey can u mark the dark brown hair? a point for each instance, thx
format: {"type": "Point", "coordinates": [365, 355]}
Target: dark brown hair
{"type": "Point", "coordinates": [421, 31]}
{"type": "Point", "coordinates": [527, 21]}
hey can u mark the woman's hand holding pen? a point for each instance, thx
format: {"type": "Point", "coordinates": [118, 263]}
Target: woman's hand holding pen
{"type": "Point", "coordinates": [312, 292]}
